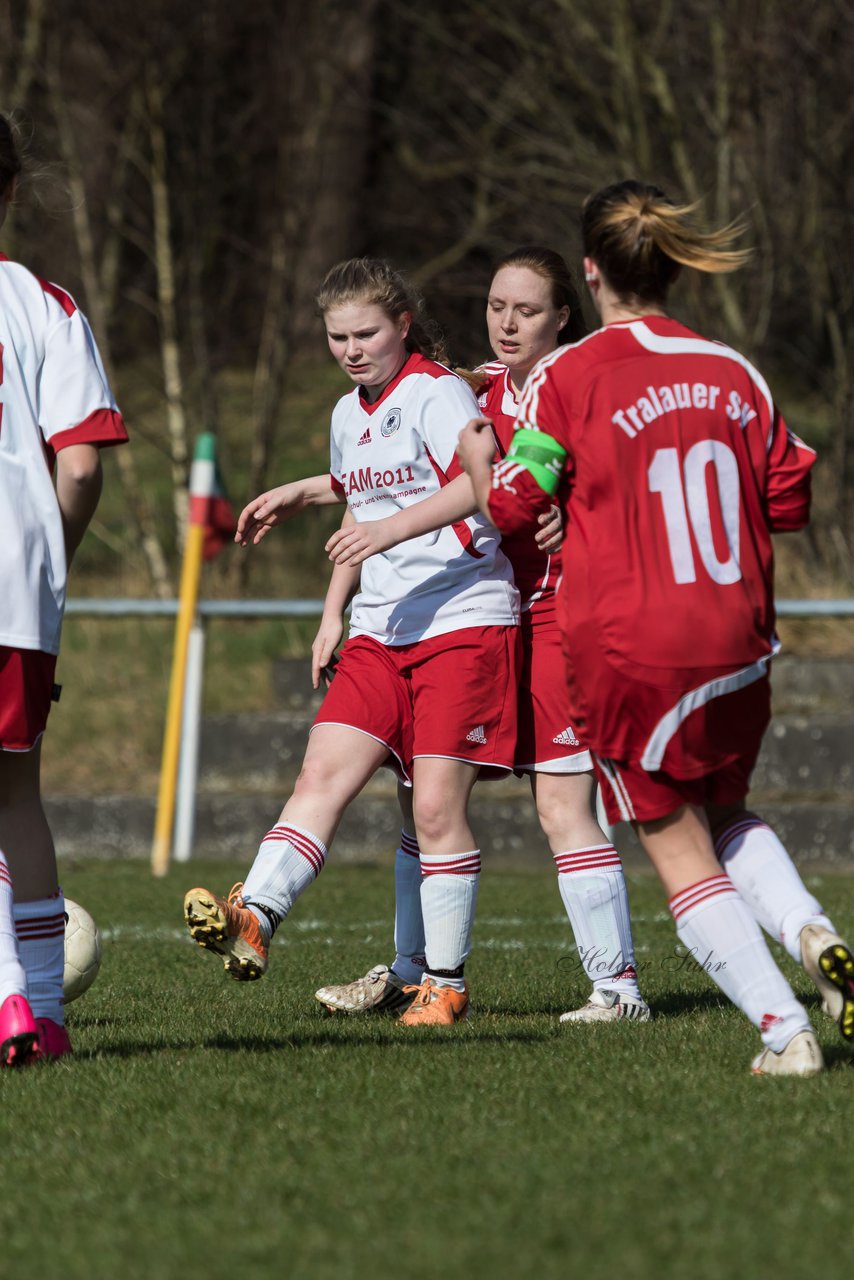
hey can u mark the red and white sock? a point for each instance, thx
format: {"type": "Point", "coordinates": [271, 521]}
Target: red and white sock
{"type": "Point", "coordinates": [40, 927]}
{"type": "Point", "coordinates": [593, 889]}
{"type": "Point", "coordinates": [761, 869]}
{"type": "Point", "coordinates": [448, 900]}
{"type": "Point", "coordinates": [288, 859]}
{"type": "Point", "coordinates": [720, 932]}
{"type": "Point", "coordinates": [409, 961]}
{"type": "Point", "coordinates": [13, 979]}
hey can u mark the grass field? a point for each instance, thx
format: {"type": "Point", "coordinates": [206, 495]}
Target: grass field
{"type": "Point", "coordinates": [210, 1129]}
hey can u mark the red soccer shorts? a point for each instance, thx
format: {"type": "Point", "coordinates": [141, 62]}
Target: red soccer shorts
{"type": "Point", "coordinates": [26, 692]}
{"type": "Point", "coordinates": [732, 725]}
{"type": "Point", "coordinates": [547, 741]}
{"type": "Point", "coordinates": [453, 696]}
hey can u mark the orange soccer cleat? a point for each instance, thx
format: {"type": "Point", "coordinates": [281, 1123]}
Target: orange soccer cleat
{"type": "Point", "coordinates": [436, 1006]}
{"type": "Point", "coordinates": [226, 926]}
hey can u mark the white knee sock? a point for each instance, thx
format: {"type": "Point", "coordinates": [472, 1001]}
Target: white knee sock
{"type": "Point", "coordinates": [409, 960]}
{"type": "Point", "coordinates": [763, 872]}
{"type": "Point", "coordinates": [722, 935]}
{"type": "Point", "coordinates": [448, 901]}
{"type": "Point", "coordinates": [287, 861]}
{"type": "Point", "coordinates": [40, 927]}
{"type": "Point", "coordinates": [13, 979]}
{"type": "Point", "coordinates": [593, 889]}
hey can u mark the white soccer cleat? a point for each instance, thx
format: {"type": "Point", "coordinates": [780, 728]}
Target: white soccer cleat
{"type": "Point", "coordinates": [830, 964]}
{"type": "Point", "coordinates": [380, 991]}
{"type": "Point", "coordinates": [609, 1006]}
{"type": "Point", "coordinates": [801, 1057]}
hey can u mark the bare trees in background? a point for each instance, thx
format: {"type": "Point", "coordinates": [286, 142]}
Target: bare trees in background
{"type": "Point", "coordinates": [742, 107]}
{"type": "Point", "coordinates": [218, 159]}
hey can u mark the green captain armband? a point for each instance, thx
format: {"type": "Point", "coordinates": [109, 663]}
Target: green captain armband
{"type": "Point", "coordinates": [539, 454]}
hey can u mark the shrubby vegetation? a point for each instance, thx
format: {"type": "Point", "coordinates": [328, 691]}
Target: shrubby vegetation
{"type": "Point", "coordinates": [195, 169]}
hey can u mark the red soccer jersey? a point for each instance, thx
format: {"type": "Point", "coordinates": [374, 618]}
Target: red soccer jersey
{"type": "Point", "coordinates": [537, 572]}
{"type": "Point", "coordinates": [679, 467]}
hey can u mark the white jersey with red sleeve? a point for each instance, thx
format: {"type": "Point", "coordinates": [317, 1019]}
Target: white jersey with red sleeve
{"type": "Point", "coordinates": [537, 572]}
{"type": "Point", "coordinates": [397, 451]}
{"type": "Point", "coordinates": [679, 466]}
{"type": "Point", "coordinates": [53, 393]}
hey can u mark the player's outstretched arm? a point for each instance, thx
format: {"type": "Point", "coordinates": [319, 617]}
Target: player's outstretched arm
{"type": "Point", "coordinates": [352, 545]}
{"type": "Point", "coordinates": [343, 585]}
{"type": "Point", "coordinates": [277, 506]}
{"type": "Point", "coordinates": [78, 488]}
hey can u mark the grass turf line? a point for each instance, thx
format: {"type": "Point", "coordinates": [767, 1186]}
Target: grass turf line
{"type": "Point", "coordinates": [208, 1128]}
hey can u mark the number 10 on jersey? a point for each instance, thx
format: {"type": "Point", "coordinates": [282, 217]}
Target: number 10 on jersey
{"type": "Point", "coordinates": [685, 505]}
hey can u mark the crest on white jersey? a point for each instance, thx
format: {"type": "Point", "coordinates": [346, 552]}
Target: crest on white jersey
{"type": "Point", "coordinates": [391, 422]}
{"type": "Point", "coordinates": [567, 738]}
{"type": "Point", "coordinates": [476, 735]}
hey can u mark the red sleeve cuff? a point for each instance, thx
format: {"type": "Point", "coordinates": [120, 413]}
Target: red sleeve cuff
{"type": "Point", "coordinates": [515, 503]}
{"type": "Point", "coordinates": [337, 486]}
{"type": "Point", "coordinates": [103, 428]}
{"type": "Point", "coordinates": [789, 517]}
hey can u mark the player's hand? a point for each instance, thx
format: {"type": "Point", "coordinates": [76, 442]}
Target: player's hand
{"type": "Point", "coordinates": [476, 445]}
{"type": "Point", "coordinates": [549, 536]}
{"type": "Point", "coordinates": [325, 643]}
{"type": "Point", "coordinates": [353, 543]}
{"type": "Point", "coordinates": [263, 513]}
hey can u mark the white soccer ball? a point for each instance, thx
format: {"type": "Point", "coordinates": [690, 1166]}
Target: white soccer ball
{"type": "Point", "coordinates": [82, 951]}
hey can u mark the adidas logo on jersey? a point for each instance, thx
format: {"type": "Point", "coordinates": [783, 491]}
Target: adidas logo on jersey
{"type": "Point", "coordinates": [366, 438]}
{"type": "Point", "coordinates": [476, 735]}
{"type": "Point", "coordinates": [567, 738]}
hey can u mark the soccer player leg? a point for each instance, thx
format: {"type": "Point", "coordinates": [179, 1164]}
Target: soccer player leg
{"type": "Point", "coordinates": [759, 866]}
{"type": "Point", "coordinates": [361, 724]}
{"type": "Point", "coordinates": [593, 889]}
{"type": "Point", "coordinates": [464, 713]}
{"type": "Point", "coordinates": [590, 873]}
{"type": "Point", "coordinates": [409, 961]}
{"type": "Point", "coordinates": [18, 1032]}
{"type": "Point", "coordinates": [337, 764]}
{"type": "Point", "coordinates": [384, 989]}
{"type": "Point", "coordinates": [719, 930]}
{"type": "Point", "coordinates": [13, 979]}
{"type": "Point", "coordinates": [38, 909]}
{"type": "Point", "coordinates": [748, 850]}
{"type": "Point", "coordinates": [450, 865]}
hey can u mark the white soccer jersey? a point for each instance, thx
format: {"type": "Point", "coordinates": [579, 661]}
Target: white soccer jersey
{"type": "Point", "coordinates": [53, 393]}
{"type": "Point", "coordinates": [396, 452]}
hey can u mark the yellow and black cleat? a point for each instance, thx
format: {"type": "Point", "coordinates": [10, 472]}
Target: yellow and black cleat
{"type": "Point", "coordinates": [837, 965]}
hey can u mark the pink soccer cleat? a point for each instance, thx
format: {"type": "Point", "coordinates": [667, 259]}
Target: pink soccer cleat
{"type": "Point", "coordinates": [53, 1040]}
{"type": "Point", "coordinates": [19, 1036]}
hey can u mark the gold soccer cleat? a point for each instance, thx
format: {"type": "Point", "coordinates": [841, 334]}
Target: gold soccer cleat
{"type": "Point", "coordinates": [226, 926]}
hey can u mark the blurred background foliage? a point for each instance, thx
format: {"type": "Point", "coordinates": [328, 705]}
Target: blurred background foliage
{"type": "Point", "coordinates": [195, 169]}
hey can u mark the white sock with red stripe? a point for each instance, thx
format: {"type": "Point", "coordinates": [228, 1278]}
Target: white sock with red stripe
{"type": "Point", "coordinates": [448, 900]}
{"type": "Point", "coordinates": [719, 930]}
{"type": "Point", "coordinates": [409, 962]}
{"type": "Point", "coordinates": [287, 861]}
{"type": "Point", "coordinates": [763, 872]}
{"type": "Point", "coordinates": [13, 979]}
{"type": "Point", "coordinates": [593, 889]}
{"type": "Point", "coordinates": [40, 927]}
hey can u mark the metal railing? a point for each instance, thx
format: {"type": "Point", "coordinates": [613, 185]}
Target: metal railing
{"type": "Point", "coordinates": [99, 608]}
